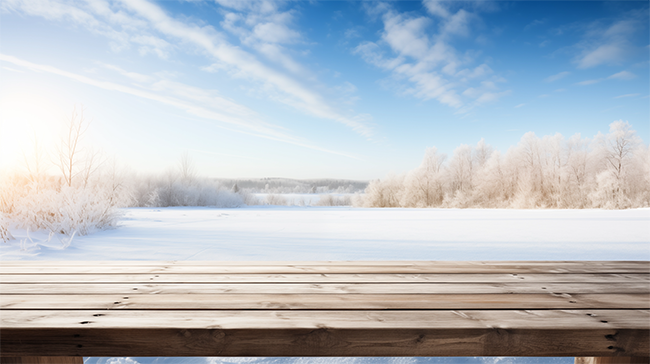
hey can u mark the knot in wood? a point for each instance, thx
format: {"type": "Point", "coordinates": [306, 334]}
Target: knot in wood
{"type": "Point", "coordinates": [319, 339]}
{"type": "Point", "coordinates": [218, 334]}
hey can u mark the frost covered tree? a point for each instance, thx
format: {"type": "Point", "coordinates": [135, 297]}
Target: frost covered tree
{"type": "Point", "coordinates": [424, 186]}
{"type": "Point", "coordinates": [461, 169]}
{"type": "Point", "coordinates": [482, 153]}
{"type": "Point", "coordinates": [385, 192]}
{"type": "Point", "coordinates": [613, 182]}
{"type": "Point", "coordinates": [577, 171]}
{"type": "Point", "coordinates": [612, 171]}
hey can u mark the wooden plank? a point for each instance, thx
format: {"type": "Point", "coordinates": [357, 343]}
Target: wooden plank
{"type": "Point", "coordinates": [314, 319]}
{"type": "Point", "coordinates": [377, 263]}
{"type": "Point", "coordinates": [42, 360]}
{"type": "Point", "coordinates": [323, 341]}
{"type": "Point", "coordinates": [331, 302]}
{"type": "Point", "coordinates": [320, 278]}
{"type": "Point", "coordinates": [334, 288]}
{"type": "Point", "coordinates": [348, 267]}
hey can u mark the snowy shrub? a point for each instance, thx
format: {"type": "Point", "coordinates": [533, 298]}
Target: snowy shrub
{"type": "Point", "coordinates": [46, 204]}
{"type": "Point", "coordinates": [277, 200]}
{"type": "Point", "coordinates": [248, 198]}
{"type": "Point", "coordinates": [66, 211]}
{"type": "Point", "coordinates": [5, 235]}
{"type": "Point", "coordinates": [331, 200]}
{"type": "Point", "coordinates": [384, 193]}
{"type": "Point", "coordinates": [171, 189]}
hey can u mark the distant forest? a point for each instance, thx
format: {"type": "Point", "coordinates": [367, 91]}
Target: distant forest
{"type": "Point", "coordinates": [287, 185]}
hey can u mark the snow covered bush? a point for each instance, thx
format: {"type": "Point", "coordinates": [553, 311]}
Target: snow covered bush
{"type": "Point", "coordinates": [277, 200]}
{"type": "Point", "coordinates": [383, 193]}
{"type": "Point", "coordinates": [57, 208]}
{"type": "Point", "coordinates": [168, 191]}
{"type": "Point", "coordinates": [5, 235]}
{"type": "Point", "coordinates": [332, 200]}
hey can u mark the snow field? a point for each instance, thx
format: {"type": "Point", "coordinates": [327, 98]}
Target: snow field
{"type": "Point", "coordinates": [268, 233]}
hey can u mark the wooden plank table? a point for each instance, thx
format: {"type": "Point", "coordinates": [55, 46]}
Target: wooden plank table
{"type": "Point", "coordinates": [58, 312]}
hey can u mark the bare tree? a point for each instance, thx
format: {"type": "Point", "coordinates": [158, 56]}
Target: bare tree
{"type": "Point", "coordinates": [92, 161]}
{"type": "Point", "coordinates": [621, 140]}
{"type": "Point", "coordinates": [69, 150]}
{"type": "Point", "coordinates": [186, 168]}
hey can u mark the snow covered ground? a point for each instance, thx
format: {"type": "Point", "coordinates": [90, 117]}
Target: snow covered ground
{"type": "Point", "coordinates": [267, 233]}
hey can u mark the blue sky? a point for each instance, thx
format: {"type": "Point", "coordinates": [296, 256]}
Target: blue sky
{"type": "Point", "coordinates": [311, 89]}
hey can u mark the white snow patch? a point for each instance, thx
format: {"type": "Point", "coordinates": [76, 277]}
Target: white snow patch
{"type": "Point", "coordinates": [267, 233]}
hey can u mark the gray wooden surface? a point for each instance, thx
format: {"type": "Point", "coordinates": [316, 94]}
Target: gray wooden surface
{"type": "Point", "coordinates": [581, 309]}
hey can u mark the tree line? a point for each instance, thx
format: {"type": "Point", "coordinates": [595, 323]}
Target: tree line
{"type": "Point", "coordinates": [607, 171]}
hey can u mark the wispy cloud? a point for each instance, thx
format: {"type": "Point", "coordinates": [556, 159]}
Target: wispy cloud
{"type": "Point", "coordinates": [626, 95]}
{"type": "Point", "coordinates": [533, 24]}
{"type": "Point", "coordinates": [423, 61]}
{"type": "Point", "coordinates": [232, 122]}
{"type": "Point", "coordinates": [607, 44]}
{"type": "Point", "coordinates": [11, 69]}
{"type": "Point", "coordinates": [265, 28]}
{"type": "Point", "coordinates": [137, 77]}
{"type": "Point", "coordinates": [520, 105]}
{"type": "Point", "coordinates": [225, 154]}
{"type": "Point", "coordinates": [279, 86]}
{"type": "Point", "coordinates": [623, 75]}
{"type": "Point", "coordinates": [144, 25]}
{"type": "Point", "coordinates": [99, 17]}
{"type": "Point", "coordinates": [557, 76]}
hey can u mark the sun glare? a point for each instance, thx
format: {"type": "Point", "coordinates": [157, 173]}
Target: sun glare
{"type": "Point", "coordinates": [27, 117]}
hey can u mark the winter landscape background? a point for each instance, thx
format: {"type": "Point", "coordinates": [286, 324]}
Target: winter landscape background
{"type": "Point", "coordinates": [260, 130]}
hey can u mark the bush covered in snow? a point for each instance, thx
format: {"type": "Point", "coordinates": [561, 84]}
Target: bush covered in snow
{"type": "Point", "coordinates": [333, 200]}
{"type": "Point", "coordinates": [48, 204]}
{"type": "Point", "coordinates": [170, 190]}
{"type": "Point", "coordinates": [609, 171]}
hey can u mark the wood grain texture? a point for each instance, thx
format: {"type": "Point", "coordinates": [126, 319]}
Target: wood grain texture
{"type": "Point", "coordinates": [319, 263]}
{"type": "Point", "coordinates": [324, 288]}
{"type": "Point", "coordinates": [600, 267]}
{"type": "Point", "coordinates": [324, 342]}
{"type": "Point", "coordinates": [330, 302]}
{"type": "Point", "coordinates": [584, 309]}
{"type": "Point", "coordinates": [314, 319]}
{"type": "Point", "coordinates": [42, 360]}
{"type": "Point", "coordinates": [323, 278]}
